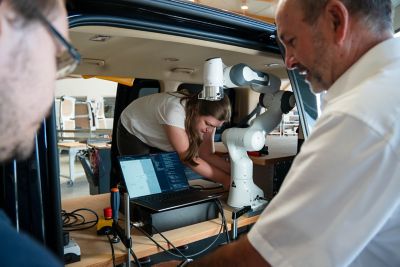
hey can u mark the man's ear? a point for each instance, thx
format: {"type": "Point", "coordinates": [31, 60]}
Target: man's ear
{"type": "Point", "coordinates": [338, 17]}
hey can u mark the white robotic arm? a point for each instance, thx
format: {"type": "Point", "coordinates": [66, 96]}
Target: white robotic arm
{"type": "Point", "coordinates": [243, 191]}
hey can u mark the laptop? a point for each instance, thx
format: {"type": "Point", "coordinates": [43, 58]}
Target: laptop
{"type": "Point", "coordinates": [158, 182]}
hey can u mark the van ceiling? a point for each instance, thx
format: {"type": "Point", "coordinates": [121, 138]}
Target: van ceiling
{"type": "Point", "coordinates": [132, 53]}
{"type": "Point", "coordinates": [112, 51]}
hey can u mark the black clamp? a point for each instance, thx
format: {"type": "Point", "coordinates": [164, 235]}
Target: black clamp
{"type": "Point", "coordinates": [235, 216]}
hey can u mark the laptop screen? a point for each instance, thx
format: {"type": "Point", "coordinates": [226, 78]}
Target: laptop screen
{"type": "Point", "coordinates": [151, 174]}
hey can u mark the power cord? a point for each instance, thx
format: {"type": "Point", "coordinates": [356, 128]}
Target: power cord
{"type": "Point", "coordinates": [195, 254]}
{"type": "Point", "coordinates": [168, 242]}
{"type": "Point", "coordinates": [155, 242]}
{"type": "Point", "coordinates": [137, 262]}
{"type": "Point", "coordinates": [262, 198]}
{"type": "Point", "coordinates": [186, 257]}
{"type": "Point", "coordinates": [112, 249]}
{"type": "Point", "coordinates": [221, 210]}
{"type": "Point", "coordinates": [135, 258]}
{"type": "Point", "coordinates": [75, 221]}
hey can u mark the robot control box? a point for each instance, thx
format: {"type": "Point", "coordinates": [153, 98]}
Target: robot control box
{"type": "Point", "coordinates": [172, 219]}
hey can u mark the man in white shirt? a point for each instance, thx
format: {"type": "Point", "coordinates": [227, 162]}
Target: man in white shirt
{"type": "Point", "coordinates": [340, 203]}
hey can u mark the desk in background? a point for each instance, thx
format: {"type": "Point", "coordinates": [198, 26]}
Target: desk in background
{"type": "Point", "coordinates": [270, 170]}
{"type": "Point", "coordinates": [96, 251]}
{"type": "Point", "coordinates": [278, 152]}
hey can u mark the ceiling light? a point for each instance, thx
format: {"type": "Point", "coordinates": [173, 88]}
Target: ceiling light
{"type": "Point", "coordinates": [100, 38]}
{"type": "Point", "coordinates": [94, 61]}
{"type": "Point", "coordinates": [244, 5]}
{"type": "Point", "coordinates": [171, 59]}
{"type": "Point", "coordinates": [183, 70]}
{"type": "Point", "coordinates": [272, 65]}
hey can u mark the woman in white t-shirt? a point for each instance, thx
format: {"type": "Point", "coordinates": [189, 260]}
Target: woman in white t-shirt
{"type": "Point", "coordinates": [176, 122]}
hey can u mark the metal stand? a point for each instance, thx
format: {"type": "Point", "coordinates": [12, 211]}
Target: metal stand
{"type": "Point", "coordinates": [236, 213]}
{"type": "Point", "coordinates": [128, 228]}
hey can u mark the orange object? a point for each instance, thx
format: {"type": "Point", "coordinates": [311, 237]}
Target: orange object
{"type": "Point", "coordinates": [254, 153]}
{"type": "Point", "coordinates": [122, 80]}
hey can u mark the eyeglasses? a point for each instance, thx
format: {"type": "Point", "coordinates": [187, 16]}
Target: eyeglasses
{"type": "Point", "coordinates": [70, 58]}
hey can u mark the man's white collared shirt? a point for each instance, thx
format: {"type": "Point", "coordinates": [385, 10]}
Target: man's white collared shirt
{"type": "Point", "coordinates": [339, 204]}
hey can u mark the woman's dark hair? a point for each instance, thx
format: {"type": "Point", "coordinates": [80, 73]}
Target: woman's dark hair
{"type": "Point", "coordinates": [195, 107]}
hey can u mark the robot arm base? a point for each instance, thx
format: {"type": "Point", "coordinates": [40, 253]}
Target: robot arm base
{"type": "Point", "coordinates": [245, 193]}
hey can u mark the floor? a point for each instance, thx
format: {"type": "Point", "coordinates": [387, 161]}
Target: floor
{"type": "Point", "coordinates": [81, 186]}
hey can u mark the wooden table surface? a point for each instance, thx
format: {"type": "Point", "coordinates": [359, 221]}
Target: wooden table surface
{"type": "Point", "coordinates": [96, 250]}
{"type": "Point", "coordinates": [275, 155]}
{"type": "Point", "coordinates": [71, 145]}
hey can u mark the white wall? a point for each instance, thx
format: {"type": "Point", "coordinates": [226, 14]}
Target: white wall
{"type": "Point", "coordinates": [91, 88]}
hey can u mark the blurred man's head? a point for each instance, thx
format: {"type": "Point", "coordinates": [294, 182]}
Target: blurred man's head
{"type": "Point", "coordinates": [323, 38]}
{"type": "Point", "coordinates": [28, 51]}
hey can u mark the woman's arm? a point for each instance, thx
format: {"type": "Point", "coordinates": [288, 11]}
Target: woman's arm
{"type": "Point", "coordinates": [207, 152]}
{"type": "Point", "coordinates": [180, 142]}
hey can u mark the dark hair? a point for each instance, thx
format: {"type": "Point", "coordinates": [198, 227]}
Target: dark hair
{"type": "Point", "coordinates": [28, 8]}
{"type": "Point", "coordinates": [375, 14]}
{"type": "Point", "coordinates": [194, 107]}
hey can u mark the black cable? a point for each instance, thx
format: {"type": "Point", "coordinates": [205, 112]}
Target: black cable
{"type": "Point", "coordinates": [135, 257]}
{"type": "Point", "coordinates": [243, 122]}
{"type": "Point", "coordinates": [71, 218]}
{"type": "Point", "coordinates": [198, 253]}
{"type": "Point", "coordinates": [137, 262]}
{"type": "Point", "coordinates": [221, 210]}
{"type": "Point", "coordinates": [154, 241]}
{"type": "Point", "coordinates": [176, 255]}
{"type": "Point", "coordinates": [180, 252]}
{"type": "Point", "coordinates": [263, 198]}
{"type": "Point", "coordinates": [112, 249]}
{"type": "Point", "coordinates": [74, 221]}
